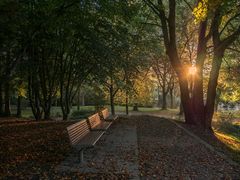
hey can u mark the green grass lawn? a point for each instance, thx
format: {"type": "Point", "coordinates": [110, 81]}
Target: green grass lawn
{"type": "Point", "coordinates": [85, 111]}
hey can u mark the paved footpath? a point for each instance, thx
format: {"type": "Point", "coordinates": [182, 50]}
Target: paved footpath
{"type": "Point", "coordinates": [147, 147]}
{"type": "Point", "coordinates": [168, 152]}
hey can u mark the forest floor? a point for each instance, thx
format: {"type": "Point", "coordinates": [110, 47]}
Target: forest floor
{"type": "Point", "coordinates": [134, 147]}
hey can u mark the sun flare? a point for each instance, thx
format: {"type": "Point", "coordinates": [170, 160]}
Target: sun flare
{"type": "Point", "coordinates": [192, 70]}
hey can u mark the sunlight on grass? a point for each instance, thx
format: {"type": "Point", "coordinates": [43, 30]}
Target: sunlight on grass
{"type": "Point", "coordinates": [229, 140]}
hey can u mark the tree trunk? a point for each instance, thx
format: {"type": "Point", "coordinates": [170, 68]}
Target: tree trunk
{"type": "Point", "coordinates": [197, 91]}
{"type": "Point", "coordinates": [1, 100]}
{"type": "Point", "coordinates": [126, 103]}
{"type": "Point", "coordinates": [65, 109]}
{"type": "Point", "coordinates": [83, 99]}
{"type": "Point", "coordinates": [47, 113]}
{"type": "Point", "coordinates": [180, 109]}
{"type": "Point", "coordinates": [33, 96]}
{"type": "Point", "coordinates": [212, 86]}
{"type": "Point", "coordinates": [217, 100]}
{"type": "Point", "coordinates": [186, 101]}
{"type": "Point", "coordinates": [112, 100]}
{"type": "Point", "coordinates": [164, 101]}
{"type": "Point", "coordinates": [78, 101]}
{"type": "Point", "coordinates": [65, 116]}
{"type": "Point", "coordinates": [171, 98]}
{"type": "Point", "coordinates": [7, 109]}
{"type": "Point", "coordinates": [19, 108]}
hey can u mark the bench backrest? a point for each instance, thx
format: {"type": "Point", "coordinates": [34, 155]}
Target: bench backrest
{"type": "Point", "coordinates": [94, 120]}
{"type": "Point", "coordinates": [105, 113]}
{"type": "Point", "coordinates": [77, 131]}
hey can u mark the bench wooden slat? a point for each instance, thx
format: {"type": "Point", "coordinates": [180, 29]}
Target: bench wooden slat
{"type": "Point", "coordinates": [106, 115]}
{"type": "Point", "coordinates": [77, 131]}
{"type": "Point", "coordinates": [91, 138]}
{"type": "Point", "coordinates": [81, 137]}
{"type": "Point", "coordinates": [97, 124]}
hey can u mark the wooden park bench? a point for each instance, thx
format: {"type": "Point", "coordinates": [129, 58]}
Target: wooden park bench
{"type": "Point", "coordinates": [107, 117]}
{"type": "Point", "coordinates": [82, 138]}
{"type": "Point", "coordinates": [96, 124]}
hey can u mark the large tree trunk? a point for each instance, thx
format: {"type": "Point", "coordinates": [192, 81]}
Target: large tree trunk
{"type": "Point", "coordinates": [212, 86]}
{"type": "Point", "coordinates": [33, 96]}
{"type": "Point", "coordinates": [197, 91]}
{"type": "Point", "coordinates": [186, 102]}
{"type": "Point", "coordinates": [7, 109]}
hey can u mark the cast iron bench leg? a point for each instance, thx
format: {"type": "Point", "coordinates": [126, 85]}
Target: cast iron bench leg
{"type": "Point", "coordinates": [80, 155]}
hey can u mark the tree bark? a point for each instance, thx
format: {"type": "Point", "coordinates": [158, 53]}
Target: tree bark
{"type": "Point", "coordinates": [186, 101]}
{"type": "Point", "coordinates": [212, 86]}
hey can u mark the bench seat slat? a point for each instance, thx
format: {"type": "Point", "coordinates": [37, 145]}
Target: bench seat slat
{"type": "Point", "coordinates": [96, 124]}
{"type": "Point", "coordinates": [102, 126]}
{"type": "Point", "coordinates": [107, 117]}
{"type": "Point", "coordinates": [90, 139]}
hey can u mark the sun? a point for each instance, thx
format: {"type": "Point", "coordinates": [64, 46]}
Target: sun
{"type": "Point", "coordinates": [192, 70]}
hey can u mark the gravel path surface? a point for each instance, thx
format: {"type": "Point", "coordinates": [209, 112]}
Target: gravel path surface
{"type": "Point", "coordinates": [167, 152]}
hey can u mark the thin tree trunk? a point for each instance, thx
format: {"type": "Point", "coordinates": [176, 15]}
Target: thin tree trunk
{"type": "Point", "coordinates": [171, 98]}
{"type": "Point", "coordinates": [83, 99]}
{"type": "Point", "coordinates": [180, 109]}
{"type": "Point", "coordinates": [78, 101]}
{"type": "Point", "coordinates": [19, 108]}
{"type": "Point", "coordinates": [164, 100]}
{"type": "Point", "coordinates": [112, 100]}
{"type": "Point", "coordinates": [1, 101]}
{"type": "Point", "coordinates": [7, 109]}
{"type": "Point", "coordinates": [126, 103]}
{"type": "Point", "coordinates": [47, 113]}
